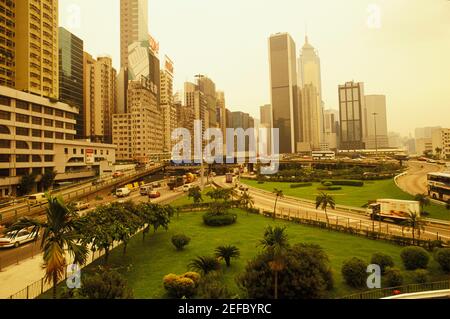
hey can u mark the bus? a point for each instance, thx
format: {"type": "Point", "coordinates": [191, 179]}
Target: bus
{"type": "Point", "coordinates": [323, 155]}
{"type": "Point", "coordinates": [439, 186]}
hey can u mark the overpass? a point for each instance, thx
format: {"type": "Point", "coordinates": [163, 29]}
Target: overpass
{"type": "Point", "coordinates": [77, 192]}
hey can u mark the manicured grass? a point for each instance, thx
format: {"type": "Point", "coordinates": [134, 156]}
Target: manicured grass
{"type": "Point", "coordinates": [186, 201]}
{"type": "Point", "coordinates": [147, 262]}
{"type": "Point", "coordinates": [353, 196]}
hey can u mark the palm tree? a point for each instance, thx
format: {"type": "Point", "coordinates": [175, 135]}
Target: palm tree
{"type": "Point", "coordinates": [227, 252]}
{"type": "Point", "coordinates": [276, 243]}
{"type": "Point", "coordinates": [279, 194]}
{"type": "Point", "coordinates": [59, 236]}
{"type": "Point", "coordinates": [415, 223]}
{"type": "Point", "coordinates": [324, 200]}
{"type": "Point", "coordinates": [423, 200]}
{"type": "Point", "coordinates": [204, 264]}
{"type": "Point", "coordinates": [246, 200]}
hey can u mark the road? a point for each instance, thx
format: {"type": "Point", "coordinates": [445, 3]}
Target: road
{"type": "Point", "coordinates": [415, 180]}
{"type": "Point", "coordinates": [294, 207]}
{"type": "Point", "coordinates": [10, 256]}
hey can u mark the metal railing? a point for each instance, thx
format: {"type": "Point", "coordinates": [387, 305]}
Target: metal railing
{"type": "Point", "coordinates": [393, 291]}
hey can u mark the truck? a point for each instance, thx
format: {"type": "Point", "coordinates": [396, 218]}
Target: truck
{"type": "Point", "coordinates": [175, 182]}
{"type": "Point", "coordinates": [393, 209]}
{"type": "Point", "coordinates": [229, 178]}
{"type": "Point", "coordinates": [190, 178]}
{"type": "Point", "coordinates": [123, 192]}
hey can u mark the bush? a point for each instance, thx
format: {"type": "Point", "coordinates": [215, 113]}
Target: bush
{"type": "Point", "coordinates": [183, 286]}
{"type": "Point", "coordinates": [213, 219]}
{"type": "Point", "coordinates": [212, 287]}
{"type": "Point", "coordinates": [393, 277]}
{"type": "Point", "coordinates": [180, 241]}
{"type": "Point", "coordinates": [327, 184]}
{"type": "Point", "coordinates": [105, 284]}
{"type": "Point", "coordinates": [301, 185]}
{"type": "Point", "coordinates": [443, 259]}
{"type": "Point", "coordinates": [329, 188]}
{"type": "Point", "coordinates": [382, 260]}
{"type": "Point", "coordinates": [421, 276]}
{"type": "Point", "coordinates": [355, 272]}
{"type": "Point", "coordinates": [414, 258]}
{"type": "Point", "coordinates": [346, 183]}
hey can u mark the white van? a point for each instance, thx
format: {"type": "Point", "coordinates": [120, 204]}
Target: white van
{"type": "Point", "coordinates": [123, 192]}
{"type": "Point", "coordinates": [36, 199]}
{"type": "Point", "coordinates": [145, 189]}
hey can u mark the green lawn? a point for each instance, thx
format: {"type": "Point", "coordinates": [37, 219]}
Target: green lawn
{"type": "Point", "coordinates": [185, 200]}
{"type": "Point", "coordinates": [148, 262]}
{"type": "Point", "coordinates": [353, 196]}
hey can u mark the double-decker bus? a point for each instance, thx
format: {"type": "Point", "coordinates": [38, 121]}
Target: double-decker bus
{"type": "Point", "coordinates": [439, 186]}
{"type": "Point", "coordinates": [323, 155]}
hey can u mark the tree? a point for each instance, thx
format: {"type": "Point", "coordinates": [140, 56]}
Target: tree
{"type": "Point", "coordinates": [204, 264]}
{"type": "Point", "coordinates": [59, 235]}
{"type": "Point", "coordinates": [227, 252]}
{"type": "Point", "coordinates": [438, 151]}
{"type": "Point", "coordinates": [354, 271]}
{"type": "Point", "coordinates": [180, 241]}
{"type": "Point", "coordinates": [423, 200]}
{"type": "Point", "coordinates": [246, 200]}
{"type": "Point", "coordinates": [154, 215]}
{"type": "Point", "coordinates": [323, 201]}
{"type": "Point", "coordinates": [26, 184]}
{"type": "Point", "coordinates": [275, 242]}
{"type": "Point", "coordinates": [47, 179]}
{"type": "Point", "coordinates": [415, 223]}
{"type": "Point", "coordinates": [278, 194]}
{"type": "Point", "coordinates": [308, 275]}
{"type": "Point", "coordinates": [196, 194]}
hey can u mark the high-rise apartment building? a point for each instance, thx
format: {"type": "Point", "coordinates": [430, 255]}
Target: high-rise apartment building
{"type": "Point", "coordinates": [351, 113]}
{"type": "Point", "coordinates": [36, 39]}
{"type": "Point", "coordinates": [311, 117]}
{"type": "Point", "coordinates": [284, 91]}
{"type": "Point", "coordinates": [99, 97]}
{"type": "Point", "coordinates": [71, 75]}
{"type": "Point", "coordinates": [331, 128]}
{"type": "Point", "coordinates": [133, 26]}
{"type": "Point", "coordinates": [168, 108]}
{"type": "Point", "coordinates": [138, 134]}
{"type": "Point", "coordinates": [208, 88]}
{"type": "Point", "coordinates": [376, 134]}
{"type": "Point", "coordinates": [7, 43]}
{"type": "Point", "coordinates": [196, 99]}
{"type": "Point", "coordinates": [441, 143]}
{"type": "Point", "coordinates": [221, 111]}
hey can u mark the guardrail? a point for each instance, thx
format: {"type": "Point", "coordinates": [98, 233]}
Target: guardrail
{"type": "Point", "coordinates": [395, 291]}
{"type": "Point", "coordinates": [85, 192]}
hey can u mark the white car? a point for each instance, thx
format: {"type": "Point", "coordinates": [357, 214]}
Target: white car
{"type": "Point", "coordinates": [24, 236]}
{"type": "Point", "coordinates": [79, 206]}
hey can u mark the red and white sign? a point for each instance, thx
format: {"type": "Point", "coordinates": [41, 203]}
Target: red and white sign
{"type": "Point", "coordinates": [90, 156]}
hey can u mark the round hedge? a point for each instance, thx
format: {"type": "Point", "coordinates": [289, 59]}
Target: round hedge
{"type": "Point", "coordinates": [421, 276]}
{"type": "Point", "coordinates": [224, 219]}
{"type": "Point", "coordinates": [415, 258]}
{"type": "Point", "coordinates": [382, 260]}
{"type": "Point", "coordinates": [394, 277]}
{"type": "Point", "coordinates": [354, 272]}
{"type": "Point", "coordinates": [443, 258]}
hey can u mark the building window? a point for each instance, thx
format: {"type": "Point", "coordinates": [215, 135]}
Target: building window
{"type": "Point", "coordinates": [48, 158]}
{"type": "Point", "coordinates": [48, 146]}
{"type": "Point", "coordinates": [70, 137]}
{"type": "Point", "coordinates": [4, 172]}
{"type": "Point", "coordinates": [36, 159]}
{"type": "Point", "coordinates": [48, 134]}
{"type": "Point", "coordinates": [48, 110]}
{"type": "Point", "coordinates": [36, 120]}
{"type": "Point", "coordinates": [66, 151]}
{"type": "Point", "coordinates": [82, 151]}
{"type": "Point", "coordinates": [5, 100]}
{"type": "Point", "coordinates": [22, 158]}
{"type": "Point", "coordinates": [5, 158]}
{"type": "Point", "coordinates": [36, 133]}
{"type": "Point", "coordinates": [74, 151]}
{"type": "Point", "coordinates": [59, 135]}
{"type": "Point", "coordinates": [70, 126]}
{"type": "Point", "coordinates": [36, 145]}
{"type": "Point", "coordinates": [22, 171]}
{"type": "Point", "coordinates": [5, 115]}
{"type": "Point", "coordinates": [22, 105]}
{"type": "Point", "coordinates": [5, 144]}
{"type": "Point", "coordinates": [22, 118]}
{"type": "Point", "coordinates": [59, 113]}
{"type": "Point", "coordinates": [59, 124]}
{"type": "Point", "coordinates": [22, 145]}
{"type": "Point", "coordinates": [22, 131]}
{"type": "Point", "coordinates": [36, 108]}
{"type": "Point", "coordinates": [48, 122]}
{"type": "Point", "coordinates": [4, 130]}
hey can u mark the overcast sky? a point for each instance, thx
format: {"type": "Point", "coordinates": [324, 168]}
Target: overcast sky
{"type": "Point", "coordinates": [405, 54]}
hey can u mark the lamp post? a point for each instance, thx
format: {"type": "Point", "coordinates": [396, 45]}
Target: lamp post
{"type": "Point", "coordinates": [376, 137]}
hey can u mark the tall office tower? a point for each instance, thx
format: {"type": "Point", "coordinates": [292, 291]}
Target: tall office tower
{"type": "Point", "coordinates": [139, 133]}
{"type": "Point", "coordinates": [208, 88]}
{"type": "Point", "coordinates": [284, 91]}
{"type": "Point", "coordinates": [99, 97]}
{"type": "Point", "coordinates": [351, 107]}
{"type": "Point", "coordinates": [36, 39]}
{"type": "Point", "coordinates": [309, 73]}
{"type": "Point", "coordinates": [196, 99]}
{"type": "Point", "coordinates": [229, 116]}
{"type": "Point", "coordinates": [221, 116]}
{"type": "Point", "coordinates": [266, 123]}
{"type": "Point", "coordinates": [168, 109]}
{"type": "Point", "coordinates": [133, 26]}
{"type": "Point", "coordinates": [311, 115]}
{"type": "Point", "coordinates": [331, 128]}
{"type": "Point", "coordinates": [8, 43]}
{"type": "Point", "coordinates": [376, 135]}
{"type": "Point", "coordinates": [71, 75]}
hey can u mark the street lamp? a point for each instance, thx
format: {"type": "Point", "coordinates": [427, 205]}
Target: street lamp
{"type": "Point", "coordinates": [376, 137]}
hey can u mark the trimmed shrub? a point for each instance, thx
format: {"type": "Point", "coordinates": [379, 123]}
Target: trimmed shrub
{"type": "Point", "coordinates": [183, 286]}
{"type": "Point", "coordinates": [225, 219]}
{"type": "Point", "coordinates": [329, 188]}
{"type": "Point", "coordinates": [443, 259]}
{"type": "Point", "coordinates": [421, 276]}
{"type": "Point", "coordinates": [354, 272]}
{"type": "Point", "coordinates": [382, 260]}
{"type": "Point", "coordinates": [299, 185]}
{"type": "Point", "coordinates": [393, 277]}
{"type": "Point", "coordinates": [414, 258]}
{"type": "Point", "coordinates": [327, 184]}
{"type": "Point", "coordinates": [346, 183]}
{"type": "Point", "coordinates": [180, 241]}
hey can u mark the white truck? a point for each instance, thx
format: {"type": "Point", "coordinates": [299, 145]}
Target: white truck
{"type": "Point", "coordinates": [123, 192]}
{"type": "Point", "coordinates": [393, 209]}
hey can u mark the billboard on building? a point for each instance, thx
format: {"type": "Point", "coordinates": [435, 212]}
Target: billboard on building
{"type": "Point", "coordinates": [90, 156]}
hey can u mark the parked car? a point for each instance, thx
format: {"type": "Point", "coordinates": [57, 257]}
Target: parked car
{"type": "Point", "coordinates": [186, 187]}
{"type": "Point", "coordinates": [79, 206]}
{"type": "Point", "coordinates": [24, 236]}
{"type": "Point", "coordinates": [154, 194]}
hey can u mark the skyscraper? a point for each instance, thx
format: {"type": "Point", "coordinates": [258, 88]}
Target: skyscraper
{"type": "Point", "coordinates": [266, 123]}
{"type": "Point", "coordinates": [71, 75]}
{"type": "Point", "coordinates": [8, 44]}
{"type": "Point", "coordinates": [331, 127]}
{"type": "Point", "coordinates": [208, 87]}
{"type": "Point", "coordinates": [284, 91]}
{"type": "Point", "coordinates": [376, 135]}
{"type": "Point", "coordinates": [133, 26]}
{"type": "Point", "coordinates": [36, 46]}
{"type": "Point", "coordinates": [351, 107]}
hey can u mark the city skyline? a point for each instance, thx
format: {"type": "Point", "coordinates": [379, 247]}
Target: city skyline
{"type": "Point", "coordinates": [399, 35]}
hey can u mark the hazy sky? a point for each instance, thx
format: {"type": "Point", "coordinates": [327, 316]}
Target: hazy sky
{"type": "Point", "coordinates": [406, 56]}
